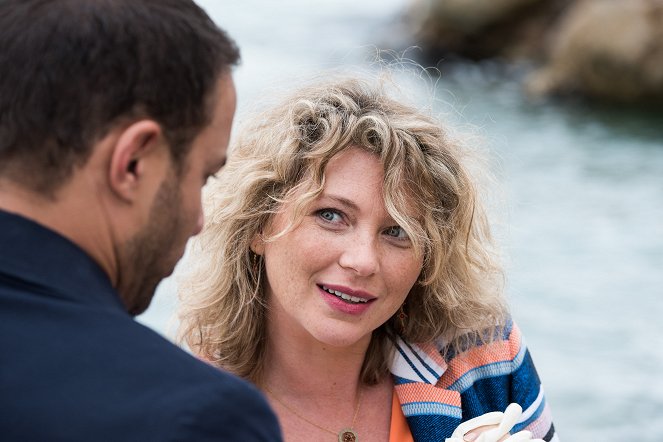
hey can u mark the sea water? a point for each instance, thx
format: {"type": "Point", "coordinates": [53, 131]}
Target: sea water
{"type": "Point", "coordinates": [581, 219]}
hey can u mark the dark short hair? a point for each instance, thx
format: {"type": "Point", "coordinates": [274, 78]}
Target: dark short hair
{"type": "Point", "coordinates": [72, 69]}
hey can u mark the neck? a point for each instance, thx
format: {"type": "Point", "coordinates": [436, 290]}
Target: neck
{"type": "Point", "coordinates": [72, 216]}
{"type": "Point", "coordinates": [311, 386]}
{"type": "Point", "coordinates": [294, 355]}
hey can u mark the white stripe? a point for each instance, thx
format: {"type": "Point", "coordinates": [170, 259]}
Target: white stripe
{"type": "Point", "coordinates": [401, 367]}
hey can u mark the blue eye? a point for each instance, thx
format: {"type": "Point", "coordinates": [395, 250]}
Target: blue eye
{"type": "Point", "coordinates": [329, 215]}
{"type": "Point", "coordinates": [396, 232]}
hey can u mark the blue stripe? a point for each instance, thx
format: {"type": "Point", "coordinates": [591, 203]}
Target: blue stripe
{"type": "Point", "coordinates": [526, 384]}
{"type": "Point", "coordinates": [472, 340]}
{"type": "Point", "coordinates": [430, 409]}
{"type": "Point", "coordinates": [400, 381]}
{"type": "Point", "coordinates": [488, 371]}
{"type": "Point", "coordinates": [532, 418]}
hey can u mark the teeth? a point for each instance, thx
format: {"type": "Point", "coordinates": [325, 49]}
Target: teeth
{"type": "Point", "coordinates": [344, 295]}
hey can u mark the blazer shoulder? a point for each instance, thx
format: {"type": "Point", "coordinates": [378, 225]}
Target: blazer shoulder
{"type": "Point", "coordinates": [225, 407]}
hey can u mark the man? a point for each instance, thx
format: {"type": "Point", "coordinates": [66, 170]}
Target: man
{"type": "Point", "coordinates": [113, 114]}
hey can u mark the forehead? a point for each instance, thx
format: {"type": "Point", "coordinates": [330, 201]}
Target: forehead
{"type": "Point", "coordinates": [360, 174]}
{"type": "Point", "coordinates": [354, 178]}
{"type": "Point", "coordinates": [367, 174]}
{"type": "Point", "coordinates": [355, 167]}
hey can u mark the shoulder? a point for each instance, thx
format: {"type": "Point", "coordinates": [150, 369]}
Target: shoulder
{"type": "Point", "coordinates": [210, 404]}
{"type": "Point", "coordinates": [492, 375]}
{"type": "Point", "coordinates": [504, 355]}
{"type": "Point", "coordinates": [224, 407]}
{"type": "Point", "coordinates": [191, 399]}
{"type": "Point", "coordinates": [454, 367]}
{"type": "Point", "coordinates": [119, 380]}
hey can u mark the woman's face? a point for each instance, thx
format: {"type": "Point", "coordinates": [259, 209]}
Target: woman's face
{"type": "Point", "coordinates": [348, 267]}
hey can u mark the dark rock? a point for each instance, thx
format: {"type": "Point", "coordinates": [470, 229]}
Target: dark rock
{"type": "Point", "coordinates": [479, 29]}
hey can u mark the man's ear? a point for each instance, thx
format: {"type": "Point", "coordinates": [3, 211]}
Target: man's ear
{"type": "Point", "coordinates": [127, 164]}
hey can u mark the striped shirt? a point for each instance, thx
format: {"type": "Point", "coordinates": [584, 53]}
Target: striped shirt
{"type": "Point", "coordinates": [437, 393]}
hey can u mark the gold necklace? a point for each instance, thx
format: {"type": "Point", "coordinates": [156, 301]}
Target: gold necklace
{"type": "Point", "coordinates": [345, 435]}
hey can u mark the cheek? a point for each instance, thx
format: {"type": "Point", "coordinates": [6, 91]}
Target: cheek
{"type": "Point", "coordinates": [279, 260]}
{"type": "Point", "coordinates": [295, 258]}
{"type": "Point", "coordinates": [404, 274]}
{"type": "Point", "coordinates": [285, 273]}
{"type": "Point", "coordinates": [287, 257]}
{"type": "Point", "coordinates": [191, 204]}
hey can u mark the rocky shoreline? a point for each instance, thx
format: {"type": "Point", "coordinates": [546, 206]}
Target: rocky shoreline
{"type": "Point", "coordinates": [605, 50]}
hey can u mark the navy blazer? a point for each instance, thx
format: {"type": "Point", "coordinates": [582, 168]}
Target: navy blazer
{"type": "Point", "coordinates": [75, 366]}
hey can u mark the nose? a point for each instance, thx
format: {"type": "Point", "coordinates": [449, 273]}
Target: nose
{"type": "Point", "coordinates": [200, 222]}
{"type": "Point", "coordinates": [361, 254]}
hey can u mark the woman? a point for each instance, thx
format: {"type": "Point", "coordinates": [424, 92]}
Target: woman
{"type": "Point", "coordinates": [346, 268]}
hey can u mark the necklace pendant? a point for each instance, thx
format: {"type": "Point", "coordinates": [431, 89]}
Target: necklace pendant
{"type": "Point", "coordinates": [347, 435]}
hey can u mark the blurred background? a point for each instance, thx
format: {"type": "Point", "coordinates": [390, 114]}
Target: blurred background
{"type": "Point", "coordinates": [566, 96]}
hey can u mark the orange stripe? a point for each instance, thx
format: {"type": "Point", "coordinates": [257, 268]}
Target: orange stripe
{"type": "Point", "coordinates": [497, 351]}
{"type": "Point", "coordinates": [422, 392]}
{"type": "Point", "coordinates": [399, 431]}
{"type": "Point", "coordinates": [433, 353]}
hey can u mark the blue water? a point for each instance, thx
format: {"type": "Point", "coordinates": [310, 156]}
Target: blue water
{"type": "Point", "coordinates": [580, 218]}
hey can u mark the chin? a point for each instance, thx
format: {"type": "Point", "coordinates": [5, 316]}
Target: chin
{"type": "Point", "coordinates": [337, 339]}
{"type": "Point", "coordinates": [139, 310]}
{"type": "Point", "coordinates": [167, 265]}
{"type": "Point", "coordinates": [138, 297]}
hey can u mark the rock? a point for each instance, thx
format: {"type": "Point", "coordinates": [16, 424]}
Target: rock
{"type": "Point", "coordinates": [471, 16]}
{"type": "Point", "coordinates": [606, 49]}
{"type": "Point", "coordinates": [479, 29]}
{"type": "Point", "coordinates": [610, 50]}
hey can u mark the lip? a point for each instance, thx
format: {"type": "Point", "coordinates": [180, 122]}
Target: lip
{"type": "Point", "coordinates": [349, 291]}
{"type": "Point", "coordinates": [346, 307]}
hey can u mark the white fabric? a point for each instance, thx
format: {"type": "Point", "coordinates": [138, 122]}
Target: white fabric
{"type": "Point", "coordinates": [504, 421]}
{"type": "Point", "coordinates": [411, 362]}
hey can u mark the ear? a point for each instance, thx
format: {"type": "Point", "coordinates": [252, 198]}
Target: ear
{"type": "Point", "coordinates": [127, 165]}
{"type": "Point", "coordinates": [258, 244]}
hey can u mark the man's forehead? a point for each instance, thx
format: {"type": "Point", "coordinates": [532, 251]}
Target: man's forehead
{"type": "Point", "coordinates": [213, 139]}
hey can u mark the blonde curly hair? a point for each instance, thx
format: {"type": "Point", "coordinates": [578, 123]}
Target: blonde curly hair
{"type": "Point", "coordinates": [281, 157]}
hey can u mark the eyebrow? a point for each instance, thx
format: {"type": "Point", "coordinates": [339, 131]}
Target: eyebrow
{"type": "Point", "coordinates": [344, 201]}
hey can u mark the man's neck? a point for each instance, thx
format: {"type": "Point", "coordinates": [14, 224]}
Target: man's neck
{"type": "Point", "coordinates": [73, 216]}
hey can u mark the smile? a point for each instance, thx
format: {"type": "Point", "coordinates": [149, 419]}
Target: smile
{"type": "Point", "coordinates": [344, 296]}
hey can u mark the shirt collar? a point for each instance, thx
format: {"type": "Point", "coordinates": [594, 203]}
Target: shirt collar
{"type": "Point", "coordinates": [417, 363]}
{"type": "Point", "coordinates": [52, 264]}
